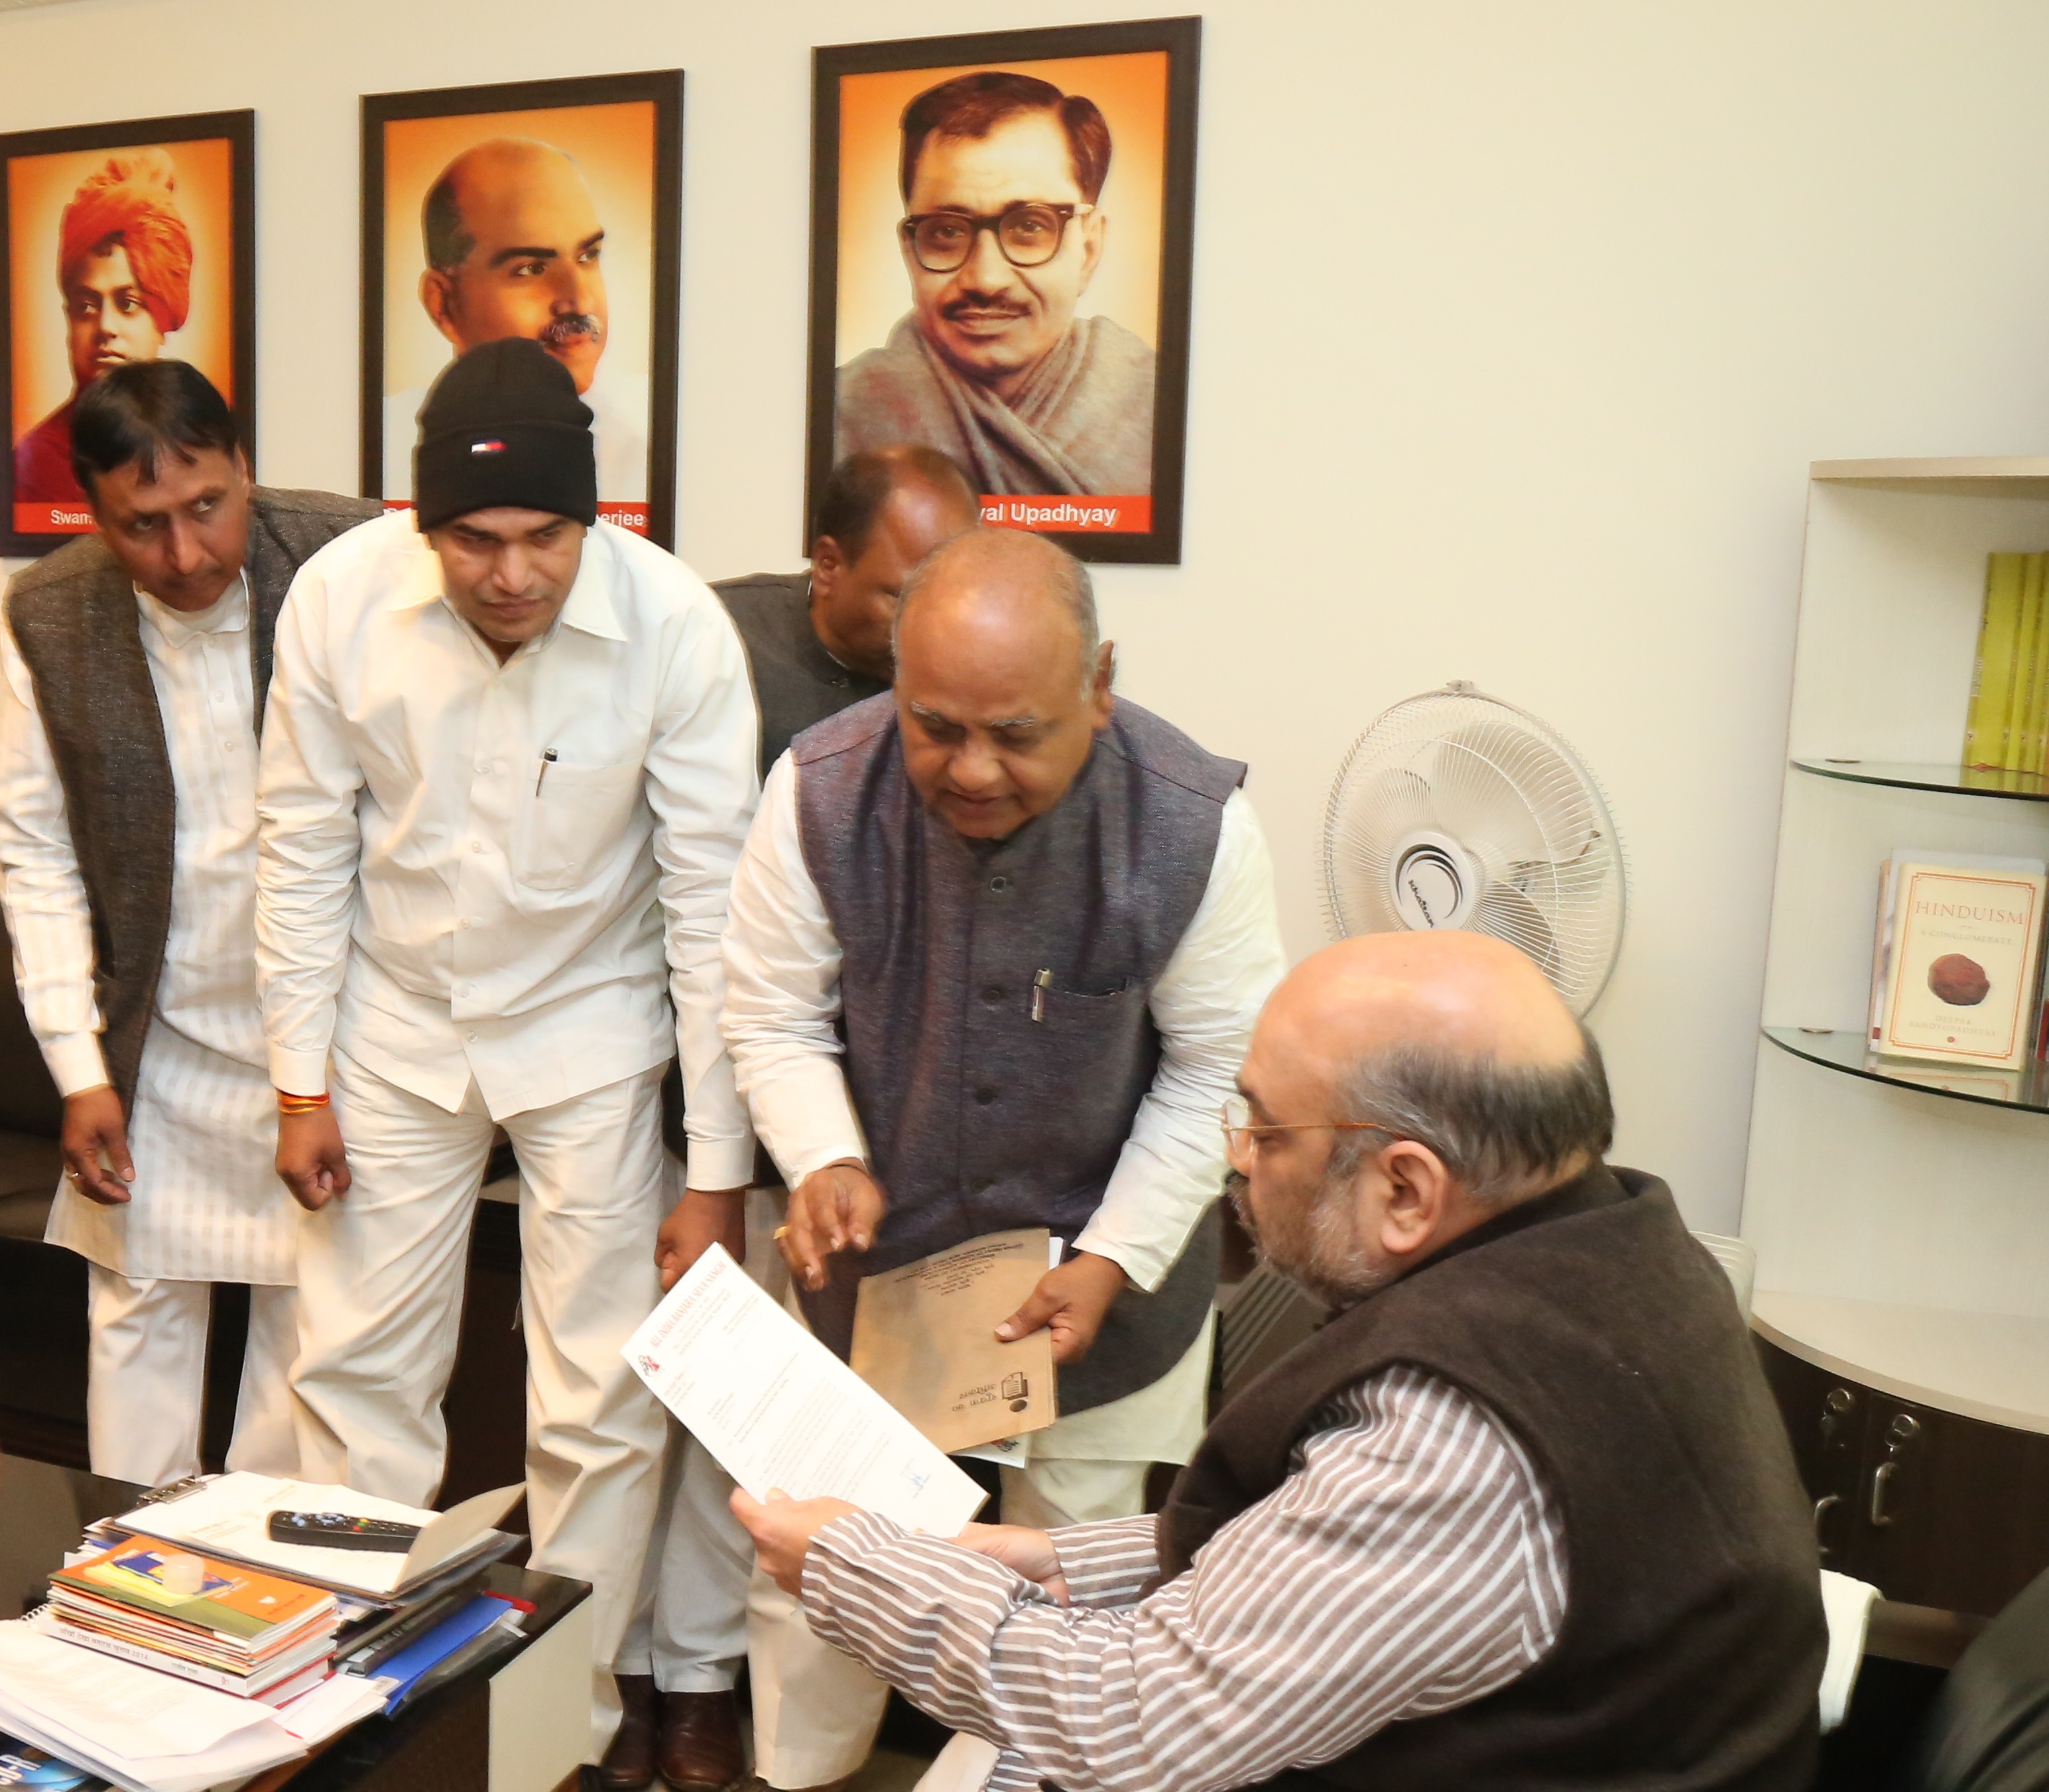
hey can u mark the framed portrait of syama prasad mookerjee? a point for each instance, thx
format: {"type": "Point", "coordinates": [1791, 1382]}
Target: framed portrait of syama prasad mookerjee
{"type": "Point", "coordinates": [1001, 239]}
{"type": "Point", "coordinates": [126, 242]}
{"type": "Point", "coordinates": [551, 209]}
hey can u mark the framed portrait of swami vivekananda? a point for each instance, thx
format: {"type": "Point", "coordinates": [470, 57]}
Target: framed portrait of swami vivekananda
{"type": "Point", "coordinates": [1001, 239]}
{"type": "Point", "coordinates": [127, 242]}
{"type": "Point", "coordinates": [551, 209]}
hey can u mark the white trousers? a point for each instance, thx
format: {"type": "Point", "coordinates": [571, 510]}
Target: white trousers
{"type": "Point", "coordinates": [689, 1626]}
{"type": "Point", "coordinates": [381, 1276]}
{"type": "Point", "coordinates": [146, 1390]}
{"type": "Point", "coordinates": [816, 1711]}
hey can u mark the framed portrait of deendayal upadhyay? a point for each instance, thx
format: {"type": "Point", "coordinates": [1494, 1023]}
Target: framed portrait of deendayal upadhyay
{"type": "Point", "coordinates": [127, 242]}
{"type": "Point", "coordinates": [1002, 238]}
{"type": "Point", "coordinates": [551, 209]}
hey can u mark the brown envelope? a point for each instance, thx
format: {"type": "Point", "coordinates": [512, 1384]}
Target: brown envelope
{"type": "Point", "coordinates": [924, 1339]}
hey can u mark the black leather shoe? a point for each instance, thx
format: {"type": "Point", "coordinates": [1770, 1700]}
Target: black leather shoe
{"type": "Point", "coordinates": [699, 1750]}
{"type": "Point", "coordinates": [629, 1763]}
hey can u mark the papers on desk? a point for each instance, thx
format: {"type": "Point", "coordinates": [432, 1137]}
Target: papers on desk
{"type": "Point", "coordinates": [143, 1730]}
{"type": "Point", "coordinates": [777, 1409]}
{"type": "Point", "coordinates": [230, 1516]}
{"type": "Point", "coordinates": [330, 1707]}
{"type": "Point", "coordinates": [924, 1339]}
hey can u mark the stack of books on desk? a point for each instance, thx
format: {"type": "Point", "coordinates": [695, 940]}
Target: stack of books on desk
{"type": "Point", "coordinates": [260, 1636]}
{"type": "Point", "coordinates": [185, 1648]}
{"type": "Point", "coordinates": [409, 1618]}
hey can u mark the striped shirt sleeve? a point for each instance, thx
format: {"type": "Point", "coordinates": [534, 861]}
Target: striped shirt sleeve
{"type": "Point", "coordinates": [1108, 1563]}
{"type": "Point", "coordinates": [1411, 1563]}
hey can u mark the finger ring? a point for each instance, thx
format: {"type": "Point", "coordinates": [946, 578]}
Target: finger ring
{"type": "Point", "coordinates": [782, 1232]}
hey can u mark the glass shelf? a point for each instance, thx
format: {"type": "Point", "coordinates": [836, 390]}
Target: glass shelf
{"type": "Point", "coordinates": [1844, 1050]}
{"type": "Point", "coordinates": [2024, 786]}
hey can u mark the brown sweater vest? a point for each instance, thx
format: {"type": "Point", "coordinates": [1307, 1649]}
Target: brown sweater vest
{"type": "Point", "coordinates": [73, 616]}
{"type": "Point", "coordinates": [1606, 1339]}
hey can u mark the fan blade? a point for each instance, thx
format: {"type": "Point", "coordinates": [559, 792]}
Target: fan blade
{"type": "Point", "coordinates": [1478, 797]}
{"type": "Point", "coordinates": [1380, 804]}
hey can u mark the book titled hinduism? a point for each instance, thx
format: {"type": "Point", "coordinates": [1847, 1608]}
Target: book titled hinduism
{"type": "Point", "coordinates": [1960, 952]}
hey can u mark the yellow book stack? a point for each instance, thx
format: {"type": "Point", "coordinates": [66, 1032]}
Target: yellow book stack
{"type": "Point", "coordinates": [2007, 727]}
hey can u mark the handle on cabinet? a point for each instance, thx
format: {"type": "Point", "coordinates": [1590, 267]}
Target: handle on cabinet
{"type": "Point", "coordinates": [1835, 1408]}
{"type": "Point", "coordinates": [1879, 1515]}
{"type": "Point", "coordinates": [1821, 1511]}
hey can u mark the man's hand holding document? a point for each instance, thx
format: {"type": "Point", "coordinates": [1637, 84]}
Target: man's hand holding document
{"type": "Point", "coordinates": [780, 1412]}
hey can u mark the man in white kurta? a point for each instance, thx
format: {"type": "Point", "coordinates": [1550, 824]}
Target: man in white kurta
{"type": "Point", "coordinates": [500, 812]}
{"type": "Point", "coordinates": [1006, 771]}
{"type": "Point", "coordinates": [169, 1186]}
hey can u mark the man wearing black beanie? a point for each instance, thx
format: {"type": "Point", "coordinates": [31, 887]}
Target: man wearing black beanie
{"type": "Point", "coordinates": [510, 767]}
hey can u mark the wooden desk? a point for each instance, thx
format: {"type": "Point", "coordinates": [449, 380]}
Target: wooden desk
{"type": "Point", "coordinates": [518, 1722]}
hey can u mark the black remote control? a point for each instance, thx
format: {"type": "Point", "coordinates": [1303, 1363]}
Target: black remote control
{"type": "Point", "coordinates": [338, 1530]}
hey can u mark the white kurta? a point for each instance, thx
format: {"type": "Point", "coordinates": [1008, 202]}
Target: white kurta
{"type": "Point", "coordinates": [476, 870]}
{"type": "Point", "coordinates": [206, 1203]}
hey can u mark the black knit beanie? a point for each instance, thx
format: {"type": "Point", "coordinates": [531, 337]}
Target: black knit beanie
{"type": "Point", "coordinates": [502, 425]}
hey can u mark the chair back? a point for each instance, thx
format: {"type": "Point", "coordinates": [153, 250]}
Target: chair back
{"type": "Point", "coordinates": [1739, 1262]}
{"type": "Point", "coordinates": [1988, 1729]}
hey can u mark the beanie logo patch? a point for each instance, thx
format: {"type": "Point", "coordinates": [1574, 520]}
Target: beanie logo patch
{"type": "Point", "coordinates": [487, 448]}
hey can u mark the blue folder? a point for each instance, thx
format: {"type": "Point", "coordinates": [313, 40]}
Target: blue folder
{"type": "Point", "coordinates": [427, 1651]}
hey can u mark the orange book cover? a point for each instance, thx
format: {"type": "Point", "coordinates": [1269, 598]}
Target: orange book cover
{"type": "Point", "coordinates": [231, 1600]}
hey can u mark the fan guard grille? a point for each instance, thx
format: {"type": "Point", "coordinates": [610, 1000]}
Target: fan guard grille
{"type": "Point", "coordinates": [1454, 808]}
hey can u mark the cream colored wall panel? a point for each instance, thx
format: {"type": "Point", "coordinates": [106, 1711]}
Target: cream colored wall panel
{"type": "Point", "coordinates": [1868, 1193]}
{"type": "Point", "coordinates": [1515, 327]}
{"type": "Point", "coordinates": [1891, 595]}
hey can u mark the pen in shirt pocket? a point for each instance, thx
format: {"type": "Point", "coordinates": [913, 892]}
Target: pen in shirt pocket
{"type": "Point", "coordinates": [547, 760]}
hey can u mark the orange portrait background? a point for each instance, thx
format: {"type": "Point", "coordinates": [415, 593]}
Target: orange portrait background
{"type": "Point", "coordinates": [38, 189]}
{"type": "Point", "coordinates": [1130, 89]}
{"type": "Point", "coordinates": [614, 147]}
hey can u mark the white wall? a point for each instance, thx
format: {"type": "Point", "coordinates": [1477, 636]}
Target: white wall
{"type": "Point", "coordinates": [1516, 327]}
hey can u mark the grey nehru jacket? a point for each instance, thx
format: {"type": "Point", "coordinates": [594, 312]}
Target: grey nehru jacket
{"type": "Point", "coordinates": [996, 1003]}
{"type": "Point", "coordinates": [796, 682]}
{"type": "Point", "coordinates": [74, 617]}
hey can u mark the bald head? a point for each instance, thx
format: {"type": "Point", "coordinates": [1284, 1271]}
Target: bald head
{"type": "Point", "coordinates": [1459, 995]}
{"type": "Point", "coordinates": [991, 632]}
{"type": "Point", "coordinates": [1023, 576]}
{"type": "Point", "coordinates": [514, 247]}
{"type": "Point", "coordinates": [1454, 1040]}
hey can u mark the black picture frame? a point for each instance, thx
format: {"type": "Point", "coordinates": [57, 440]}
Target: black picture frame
{"type": "Point", "coordinates": [238, 130]}
{"type": "Point", "coordinates": [1181, 41]}
{"type": "Point", "coordinates": [664, 88]}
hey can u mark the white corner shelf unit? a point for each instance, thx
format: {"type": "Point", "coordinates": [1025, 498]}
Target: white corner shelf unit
{"type": "Point", "coordinates": [1900, 1212]}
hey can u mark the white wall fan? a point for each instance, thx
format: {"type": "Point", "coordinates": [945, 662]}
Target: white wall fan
{"type": "Point", "coordinates": [1456, 810]}
{"type": "Point", "coordinates": [1453, 810]}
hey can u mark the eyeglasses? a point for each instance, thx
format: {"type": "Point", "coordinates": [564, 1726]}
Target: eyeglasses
{"type": "Point", "coordinates": [1029, 235]}
{"type": "Point", "coordinates": [1239, 1133]}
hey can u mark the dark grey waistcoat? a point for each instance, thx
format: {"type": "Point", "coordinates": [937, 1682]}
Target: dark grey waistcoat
{"type": "Point", "coordinates": [73, 616]}
{"type": "Point", "coordinates": [978, 1117]}
{"type": "Point", "coordinates": [796, 683]}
